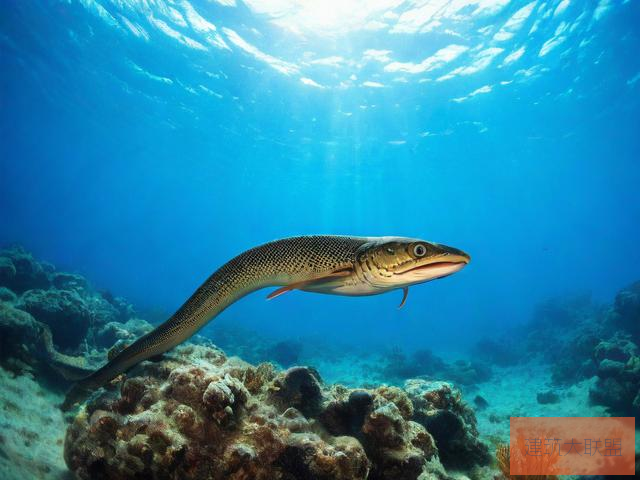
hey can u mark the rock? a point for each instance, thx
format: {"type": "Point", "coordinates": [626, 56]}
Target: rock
{"type": "Point", "coordinates": [199, 420]}
{"type": "Point", "coordinates": [381, 420]}
{"type": "Point", "coordinates": [298, 387]}
{"type": "Point", "coordinates": [618, 377]}
{"type": "Point", "coordinates": [571, 369]}
{"type": "Point", "coordinates": [20, 272]}
{"type": "Point", "coordinates": [427, 362]}
{"type": "Point", "coordinates": [396, 395]}
{"type": "Point", "coordinates": [19, 333]}
{"type": "Point", "coordinates": [385, 426]}
{"type": "Point", "coordinates": [26, 345]}
{"type": "Point", "coordinates": [7, 295]}
{"type": "Point", "coordinates": [610, 368]}
{"type": "Point", "coordinates": [124, 309]}
{"type": "Point", "coordinates": [480, 402]}
{"type": "Point", "coordinates": [399, 449]}
{"type": "Point", "coordinates": [627, 309]}
{"type": "Point", "coordinates": [63, 311]}
{"type": "Point", "coordinates": [63, 301]}
{"type": "Point", "coordinates": [307, 456]}
{"type": "Point", "coordinates": [422, 362]}
{"type": "Point", "coordinates": [111, 333]}
{"type": "Point", "coordinates": [547, 397]}
{"type": "Point", "coordinates": [7, 271]}
{"type": "Point", "coordinates": [493, 418]}
{"type": "Point", "coordinates": [465, 372]}
{"type": "Point", "coordinates": [345, 412]}
{"type": "Point", "coordinates": [610, 393]}
{"type": "Point", "coordinates": [618, 348]}
{"type": "Point", "coordinates": [562, 311]}
{"type": "Point", "coordinates": [224, 398]}
{"type": "Point", "coordinates": [68, 281]}
{"type": "Point", "coordinates": [286, 353]}
{"type": "Point", "coordinates": [440, 409]}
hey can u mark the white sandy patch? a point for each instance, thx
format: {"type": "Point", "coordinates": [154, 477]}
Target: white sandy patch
{"type": "Point", "coordinates": [32, 430]}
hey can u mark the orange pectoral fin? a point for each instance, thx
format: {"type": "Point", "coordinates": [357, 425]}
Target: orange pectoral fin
{"type": "Point", "coordinates": [298, 285]}
{"type": "Point", "coordinates": [283, 290]}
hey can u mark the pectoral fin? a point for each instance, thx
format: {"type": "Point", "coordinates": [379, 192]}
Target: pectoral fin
{"type": "Point", "coordinates": [285, 289]}
{"type": "Point", "coordinates": [299, 285]}
{"type": "Point", "coordinates": [405, 292]}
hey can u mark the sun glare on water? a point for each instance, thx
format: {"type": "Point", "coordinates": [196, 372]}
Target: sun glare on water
{"type": "Point", "coordinates": [336, 17]}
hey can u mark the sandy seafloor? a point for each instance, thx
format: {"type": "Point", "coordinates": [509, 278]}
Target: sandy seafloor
{"type": "Point", "coordinates": [33, 427]}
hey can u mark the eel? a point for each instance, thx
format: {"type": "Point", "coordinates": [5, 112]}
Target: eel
{"type": "Point", "coordinates": [338, 265]}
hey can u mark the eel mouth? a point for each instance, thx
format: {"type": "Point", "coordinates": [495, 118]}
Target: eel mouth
{"type": "Point", "coordinates": [442, 267]}
{"type": "Point", "coordinates": [438, 265]}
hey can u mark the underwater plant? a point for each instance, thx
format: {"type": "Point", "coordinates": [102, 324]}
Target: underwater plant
{"type": "Point", "coordinates": [503, 459]}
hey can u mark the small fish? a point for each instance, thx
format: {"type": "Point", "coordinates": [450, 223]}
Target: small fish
{"type": "Point", "coordinates": [336, 265]}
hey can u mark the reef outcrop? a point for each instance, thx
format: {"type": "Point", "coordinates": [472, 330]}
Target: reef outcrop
{"type": "Point", "coordinates": [618, 384]}
{"type": "Point", "coordinates": [626, 310]}
{"type": "Point", "coordinates": [198, 414]}
{"type": "Point", "coordinates": [54, 322]}
{"type": "Point", "coordinates": [579, 340]}
{"type": "Point", "coordinates": [423, 362]}
{"type": "Point", "coordinates": [440, 409]}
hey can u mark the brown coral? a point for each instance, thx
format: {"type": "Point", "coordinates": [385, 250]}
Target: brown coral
{"type": "Point", "coordinates": [198, 415]}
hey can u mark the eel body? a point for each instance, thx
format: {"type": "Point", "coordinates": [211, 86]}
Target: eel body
{"type": "Point", "coordinates": [340, 265]}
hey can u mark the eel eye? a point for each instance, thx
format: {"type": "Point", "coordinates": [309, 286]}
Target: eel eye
{"type": "Point", "coordinates": [390, 250]}
{"type": "Point", "coordinates": [419, 250]}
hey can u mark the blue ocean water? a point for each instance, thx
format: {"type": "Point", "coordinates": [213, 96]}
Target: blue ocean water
{"type": "Point", "coordinates": [145, 143]}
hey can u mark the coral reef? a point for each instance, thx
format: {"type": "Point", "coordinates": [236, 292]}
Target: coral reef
{"type": "Point", "coordinates": [20, 272]}
{"type": "Point", "coordinates": [198, 414]}
{"type": "Point", "coordinates": [64, 311]}
{"type": "Point", "coordinates": [439, 407]}
{"type": "Point", "coordinates": [53, 322]}
{"type": "Point", "coordinates": [626, 310]}
{"type": "Point", "coordinates": [114, 332]}
{"type": "Point", "coordinates": [575, 356]}
{"type": "Point", "coordinates": [618, 385]}
{"type": "Point", "coordinates": [286, 353]}
{"type": "Point", "coordinates": [26, 346]}
{"type": "Point", "coordinates": [563, 332]}
{"type": "Point", "coordinates": [424, 362]}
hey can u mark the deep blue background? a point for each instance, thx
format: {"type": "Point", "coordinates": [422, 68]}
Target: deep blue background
{"type": "Point", "coordinates": [146, 188]}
